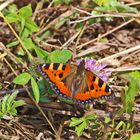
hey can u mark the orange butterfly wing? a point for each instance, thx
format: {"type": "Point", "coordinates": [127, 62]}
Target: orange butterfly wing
{"type": "Point", "coordinates": [97, 89]}
{"type": "Point", "coordinates": [56, 72]}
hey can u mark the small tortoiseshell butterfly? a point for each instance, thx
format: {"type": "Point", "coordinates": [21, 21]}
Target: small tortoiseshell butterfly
{"type": "Point", "coordinates": [75, 82]}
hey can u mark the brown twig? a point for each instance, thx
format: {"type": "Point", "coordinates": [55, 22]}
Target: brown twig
{"type": "Point", "coordinates": [103, 35]}
{"type": "Point", "coordinates": [120, 53]}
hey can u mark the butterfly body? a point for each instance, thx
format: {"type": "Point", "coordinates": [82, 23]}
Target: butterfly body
{"type": "Point", "coordinates": [74, 82]}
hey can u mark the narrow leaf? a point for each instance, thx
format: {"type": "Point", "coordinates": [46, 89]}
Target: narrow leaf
{"type": "Point", "coordinates": [35, 89]}
{"type": "Point", "coordinates": [4, 103]}
{"type": "Point", "coordinates": [18, 103]}
{"type": "Point", "coordinates": [11, 99]}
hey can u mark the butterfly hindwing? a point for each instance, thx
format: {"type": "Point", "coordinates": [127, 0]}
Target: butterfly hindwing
{"type": "Point", "coordinates": [98, 88]}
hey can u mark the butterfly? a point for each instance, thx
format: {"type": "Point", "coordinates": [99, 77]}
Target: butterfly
{"type": "Point", "coordinates": [75, 82]}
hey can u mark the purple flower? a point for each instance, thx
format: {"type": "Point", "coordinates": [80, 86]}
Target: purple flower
{"type": "Point", "coordinates": [97, 68]}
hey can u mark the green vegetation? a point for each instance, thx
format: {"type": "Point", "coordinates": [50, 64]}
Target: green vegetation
{"type": "Point", "coordinates": [8, 105]}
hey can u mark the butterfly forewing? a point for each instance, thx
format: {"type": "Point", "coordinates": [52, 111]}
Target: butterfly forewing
{"type": "Point", "coordinates": [55, 73]}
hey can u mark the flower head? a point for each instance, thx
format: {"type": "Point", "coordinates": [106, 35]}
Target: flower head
{"type": "Point", "coordinates": [97, 68]}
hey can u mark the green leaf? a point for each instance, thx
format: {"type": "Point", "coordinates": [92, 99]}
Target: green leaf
{"type": "Point", "coordinates": [13, 111]}
{"type": "Point", "coordinates": [4, 104]}
{"type": "Point", "coordinates": [60, 23]}
{"type": "Point", "coordinates": [79, 130]}
{"type": "Point", "coordinates": [31, 26]}
{"type": "Point", "coordinates": [67, 1]}
{"type": "Point", "coordinates": [43, 85]}
{"type": "Point", "coordinates": [132, 76]}
{"type": "Point", "coordinates": [29, 44]}
{"type": "Point", "coordinates": [44, 35]}
{"type": "Point", "coordinates": [22, 25]}
{"type": "Point", "coordinates": [18, 103]}
{"type": "Point", "coordinates": [13, 17]}
{"type": "Point", "coordinates": [91, 117]}
{"type": "Point", "coordinates": [26, 11]}
{"type": "Point", "coordinates": [11, 99]}
{"type": "Point", "coordinates": [21, 52]}
{"type": "Point", "coordinates": [102, 2]}
{"type": "Point", "coordinates": [60, 56]}
{"type": "Point", "coordinates": [130, 96]}
{"type": "Point", "coordinates": [35, 89]}
{"type": "Point", "coordinates": [12, 44]}
{"type": "Point", "coordinates": [107, 119]}
{"type": "Point", "coordinates": [22, 79]}
{"type": "Point", "coordinates": [133, 87]}
{"type": "Point", "coordinates": [56, 2]}
{"type": "Point", "coordinates": [113, 5]}
{"type": "Point", "coordinates": [135, 136]}
{"type": "Point", "coordinates": [12, 8]}
{"type": "Point", "coordinates": [41, 53]}
{"type": "Point", "coordinates": [8, 104]}
{"type": "Point", "coordinates": [120, 124]}
{"type": "Point", "coordinates": [76, 121]}
{"type": "Point", "coordinates": [25, 33]}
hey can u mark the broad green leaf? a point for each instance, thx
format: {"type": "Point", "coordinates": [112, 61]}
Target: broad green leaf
{"type": "Point", "coordinates": [132, 76]}
{"type": "Point", "coordinates": [91, 117]}
{"type": "Point", "coordinates": [102, 2]}
{"type": "Point", "coordinates": [29, 44]}
{"type": "Point", "coordinates": [135, 136]}
{"type": "Point", "coordinates": [26, 11]}
{"type": "Point", "coordinates": [135, 74]}
{"type": "Point", "coordinates": [35, 89]}
{"type": "Point", "coordinates": [25, 33]}
{"type": "Point", "coordinates": [130, 96]}
{"type": "Point", "coordinates": [76, 121]}
{"type": "Point", "coordinates": [22, 79]}
{"type": "Point", "coordinates": [79, 129]}
{"type": "Point", "coordinates": [12, 8]}
{"type": "Point", "coordinates": [41, 53]}
{"type": "Point", "coordinates": [13, 17]}
{"type": "Point", "coordinates": [60, 56]}
{"type": "Point", "coordinates": [31, 26]}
